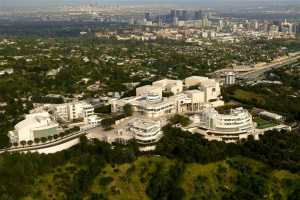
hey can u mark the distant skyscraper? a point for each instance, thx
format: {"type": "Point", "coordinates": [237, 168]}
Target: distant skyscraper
{"type": "Point", "coordinates": [198, 15]}
{"type": "Point", "coordinates": [160, 21]}
{"type": "Point", "coordinates": [205, 21]}
{"type": "Point", "coordinates": [177, 13]}
{"type": "Point", "coordinates": [274, 29]}
{"type": "Point", "coordinates": [256, 25]}
{"type": "Point", "coordinates": [173, 13]}
{"type": "Point", "coordinates": [209, 15]}
{"type": "Point", "coordinates": [172, 16]}
{"type": "Point", "coordinates": [131, 21]}
{"type": "Point", "coordinates": [221, 24]}
{"type": "Point", "coordinates": [295, 27]}
{"type": "Point", "coordinates": [184, 15]}
{"type": "Point", "coordinates": [266, 27]}
{"type": "Point", "coordinates": [148, 16]}
{"type": "Point", "coordinates": [286, 27]}
{"type": "Point", "coordinates": [175, 21]}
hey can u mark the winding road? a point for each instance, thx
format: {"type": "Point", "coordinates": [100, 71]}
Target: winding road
{"type": "Point", "coordinates": [52, 143]}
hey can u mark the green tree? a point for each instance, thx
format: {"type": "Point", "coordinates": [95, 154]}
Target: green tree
{"type": "Point", "coordinates": [23, 143]}
{"type": "Point", "coordinates": [4, 141]}
{"type": "Point", "coordinates": [128, 110]}
{"type": "Point", "coordinates": [180, 119]}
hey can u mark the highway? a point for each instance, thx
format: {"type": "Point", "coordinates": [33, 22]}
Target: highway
{"type": "Point", "coordinates": [52, 143]}
{"type": "Point", "coordinates": [255, 74]}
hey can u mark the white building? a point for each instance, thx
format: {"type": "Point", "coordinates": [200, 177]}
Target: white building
{"type": "Point", "coordinates": [76, 110]}
{"type": "Point", "coordinates": [158, 87]}
{"type": "Point", "coordinates": [37, 125]}
{"type": "Point", "coordinates": [194, 81]}
{"type": "Point", "coordinates": [230, 78]}
{"type": "Point", "coordinates": [167, 85]}
{"type": "Point", "coordinates": [146, 133]}
{"type": "Point", "coordinates": [210, 87]}
{"type": "Point", "coordinates": [229, 127]}
{"type": "Point", "coordinates": [272, 116]}
{"type": "Point", "coordinates": [286, 27]}
{"type": "Point", "coordinates": [93, 120]}
{"type": "Point", "coordinates": [152, 104]}
{"type": "Point", "coordinates": [148, 89]}
{"type": "Point", "coordinates": [6, 71]}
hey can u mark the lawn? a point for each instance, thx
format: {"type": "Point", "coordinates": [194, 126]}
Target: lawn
{"type": "Point", "coordinates": [248, 96]}
{"type": "Point", "coordinates": [262, 123]}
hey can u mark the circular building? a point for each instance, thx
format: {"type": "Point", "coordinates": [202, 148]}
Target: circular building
{"type": "Point", "coordinates": [228, 127]}
{"type": "Point", "coordinates": [146, 133]}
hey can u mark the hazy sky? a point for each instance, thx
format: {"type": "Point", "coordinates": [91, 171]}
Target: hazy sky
{"type": "Point", "coordinates": [39, 3]}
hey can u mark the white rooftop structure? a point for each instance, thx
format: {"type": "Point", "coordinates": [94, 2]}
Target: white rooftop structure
{"type": "Point", "coordinates": [168, 85]}
{"type": "Point", "coordinates": [148, 89]}
{"type": "Point", "coordinates": [271, 115]}
{"type": "Point", "coordinates": [194, 80]}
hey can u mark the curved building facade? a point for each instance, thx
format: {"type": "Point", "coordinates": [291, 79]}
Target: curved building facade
{"type": "Point", "coordinates": [34, 126]}
{"type": "Point", "coordinates": [229, 127]}
{"type": "Point", "coordinates": [146, 133]}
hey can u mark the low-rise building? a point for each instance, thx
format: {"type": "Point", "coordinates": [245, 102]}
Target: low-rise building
{"type": "Point", "coordinates": [272, 116]}
{"type": "Point", "coordinates": [230, 127]}
{"type": "Point", "coordinates": [36, 125]}
{"type": "Point", "coordinates": [194, 81]}
{"type": "Point", "coordinates": [167, 85]}
{"type": "Point", "coordinates": [148, 89]}
{"type": "Point", "coordinates": [146, 133]}
{"type": "Point", "coordinates": [6, 71]}
{"type": "Point", "coordinates": [153, 104]}
{"type": "Point", "coordinates": [69, 112]}
{"type": "Point", "coordinates": [210, 87]}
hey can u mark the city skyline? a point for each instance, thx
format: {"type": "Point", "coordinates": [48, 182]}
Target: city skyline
{"type": "Point", "coordinates": [46, 3]}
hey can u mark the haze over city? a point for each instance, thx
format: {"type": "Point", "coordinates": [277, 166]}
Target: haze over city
{"type": "Point", "coordinates": [45, 3]}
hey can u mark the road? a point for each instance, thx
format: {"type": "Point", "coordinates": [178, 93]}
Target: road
{"type": "Point", "coordinates": [49, 144]}
{"type": "Point", "coordinates": [255, 74]}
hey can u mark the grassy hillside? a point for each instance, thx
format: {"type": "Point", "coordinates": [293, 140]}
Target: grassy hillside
{"type": "Point", "coordinates": [226, 179]}
{"type": "Point", "coordinates": [189, 167]}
